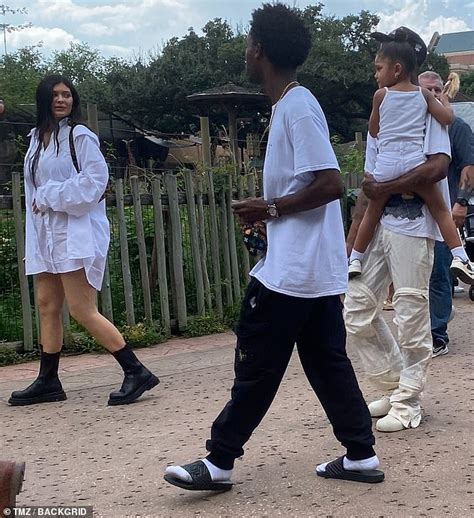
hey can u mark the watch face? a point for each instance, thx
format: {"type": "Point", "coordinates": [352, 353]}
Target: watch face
{"type": "Point", "coordinates": [463, 202]}
{"type": "Point", "coordinates": [272, 211]}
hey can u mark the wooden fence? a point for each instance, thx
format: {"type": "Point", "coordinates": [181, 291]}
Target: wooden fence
{"type": "Point", "coordinates": [189, 255]}
{"type": "Point", "coordinates": [220, 262]}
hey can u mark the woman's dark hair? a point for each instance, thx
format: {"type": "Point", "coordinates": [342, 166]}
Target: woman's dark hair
{"type": "Point", "coordinates": [401, 52]}
{"type": "Point", "coordinates": [45, 120]}
{"type": "Point", "coordinates": [283, 35]}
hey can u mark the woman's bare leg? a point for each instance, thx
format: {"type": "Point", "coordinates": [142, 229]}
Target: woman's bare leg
{"type": "Point", "coordinates": [50, 298]}
{"type": "Point", "coordinates": [81, 299]}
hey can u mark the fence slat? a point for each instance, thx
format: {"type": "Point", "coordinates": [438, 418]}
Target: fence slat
{"type": "Point", "coordinates": [202, 243]}
{"type": "Point", "coordinates": [20, 252]}
{"type": "Point", "coordinates": [161, 254]}
{"type": "Point", "coordinates": [124, 257]}
{"type": "Point", "coordinates": [142, 250]}
{"type": "Point", "coordinates": [177, 245]}
{"type": "Point", "coordinates": [234, 262]}
{"type": "Point", "coordinates": [216, 264]}
{"type": "Point", "coordinates": [245, 254]}
{"type": "Point", "coordinates": [169, 235]}
{"type": "Point", "coordinates": [193, 233]}
{"type": "Point", "coordinates": [252, 193]}
{"type": "Point", "coordinates": [225, 250]}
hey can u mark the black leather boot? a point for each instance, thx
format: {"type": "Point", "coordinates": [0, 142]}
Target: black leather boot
{"type": "Point", "coordinates": [46, 387]}
{"type": "Point", "coordinates": [137, 378]}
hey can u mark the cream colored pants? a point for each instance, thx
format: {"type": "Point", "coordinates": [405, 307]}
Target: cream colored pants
{"type": "Point", "coordinates": [399, 366]}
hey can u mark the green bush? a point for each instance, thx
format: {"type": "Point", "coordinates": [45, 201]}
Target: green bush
{"type": "Point", "coordinates": [12, 357]}
{"type": "Point", "coordinates": [204, 325]}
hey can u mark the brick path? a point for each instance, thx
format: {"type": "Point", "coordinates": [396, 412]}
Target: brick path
{"type": "Point", "coordinates": [82, 452]}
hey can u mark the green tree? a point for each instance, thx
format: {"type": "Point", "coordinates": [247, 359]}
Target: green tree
{"type": "Point", "coordinates": [339, 69]}
{"type": "Point", "coordinates": [20, 74]}
{"type": "Point", "coordinates": [436, 62]}
{"type": "Point", "coordinates": [467, 84]}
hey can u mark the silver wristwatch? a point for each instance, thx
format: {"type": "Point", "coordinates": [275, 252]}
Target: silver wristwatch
{"type": "Point", "coordinates": [272, 209]}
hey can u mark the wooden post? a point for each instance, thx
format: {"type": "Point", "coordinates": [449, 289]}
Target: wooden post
{"type": "Point", "coordinates": [92, 117]}
{"type": "Point", "coordinates": [105, 292]}
{"type": "Point", "coordinates": [169, 235]}
{"type": "Point", "coordinates": [225, 251]}
{"type": "Point", "coordinates": [124, 257]}
{"type": "Point", "coordinates": [137, 207]}
{"type": "Point", "coordinates": [216, 265]}
{"type": "Point", "coordinates": [234, 148]}
{"type": "Point", "coordinates": [244, 251]}
{"type": "Point", "coordinates": [251, 185]}
{"type": "Point", "coordinates": [193, 234]}
{"type": "Point", "coordinates": [359, 142]}
{"type": "Point", "coordinates": [234, 262]}
{"type": "Point", "coordinates": [206, 142]}
{"type": "Point", "coordinates": [203, 246]}
{"type": "Point", "coordinates": [177, 245]}
{"type": "Point", "coordinates": [161, 254]}
{"type": "Point", "coordinates": [20, 253]}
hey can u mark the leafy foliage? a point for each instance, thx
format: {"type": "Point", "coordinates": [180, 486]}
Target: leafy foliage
{"type": "Point", "coordinates": [467, 84]}
{"type": "Point", "coordinates": [152, 89]}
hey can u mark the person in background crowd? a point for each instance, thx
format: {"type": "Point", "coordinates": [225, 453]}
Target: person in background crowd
{"type": "Point", "coordinates": [461, 186]}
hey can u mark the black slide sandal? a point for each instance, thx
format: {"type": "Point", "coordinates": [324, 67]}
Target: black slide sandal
{"type": "Point", "coordinates": [201, 479]}
{"type": "Point", "coordinates": [335, 469]}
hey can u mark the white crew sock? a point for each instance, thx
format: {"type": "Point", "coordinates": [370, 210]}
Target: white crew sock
{"type": "Point", "coordinates": [217, 474]}
{"type": "Point", "coordinates": [356, 255]}
{"type": "Point", "coordinates": [354, 465]}
{"type": "Point", "coordinates": [460, 253]}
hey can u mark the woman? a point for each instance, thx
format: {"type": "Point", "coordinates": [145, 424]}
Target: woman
{"type": "Point", "coordinates": [67, 238]}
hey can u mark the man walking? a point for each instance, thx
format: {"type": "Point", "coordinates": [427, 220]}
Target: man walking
{"type": "Point", "coordinates": [461, 186]}
{"type": "Point", "coordinates": [294, 292]}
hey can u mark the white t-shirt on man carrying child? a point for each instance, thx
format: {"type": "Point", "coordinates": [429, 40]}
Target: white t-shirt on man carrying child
{"type": "Point", "coordinates": [306, 254]}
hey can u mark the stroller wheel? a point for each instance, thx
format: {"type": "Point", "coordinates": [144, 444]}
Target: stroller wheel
{"type": "Point", "coordinates": [471, 293]}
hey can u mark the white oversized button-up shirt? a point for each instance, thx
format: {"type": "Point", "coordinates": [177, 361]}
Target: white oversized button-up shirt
{"type": "Point", "coordinates": [72, 230]}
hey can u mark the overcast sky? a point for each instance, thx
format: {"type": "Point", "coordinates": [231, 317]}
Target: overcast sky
{"type": "Point", "coordinates": [128, 27]}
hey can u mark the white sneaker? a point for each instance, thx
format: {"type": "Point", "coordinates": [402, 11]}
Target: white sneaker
{"type": "Point", "coordinates": [355, 268]}
{"type": "Point", "coordinates": [389, 424]}
{"type": "Point", "coordinates": [463, 270]}
{"type": "Point", "coordinates": [380, 408]}
{"type": "Point", "coordinates": [458, 289]}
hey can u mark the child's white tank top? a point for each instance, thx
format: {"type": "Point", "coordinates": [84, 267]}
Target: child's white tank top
{"type": "Point", "coordinates": [402, 117]}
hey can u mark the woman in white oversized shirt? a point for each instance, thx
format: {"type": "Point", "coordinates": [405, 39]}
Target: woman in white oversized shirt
{"type": "Point", "coordinates": [67, 238]}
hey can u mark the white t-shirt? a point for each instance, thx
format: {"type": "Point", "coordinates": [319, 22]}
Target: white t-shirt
{"type": "Point", "coordinates": [306, 254]}
{"type": "Point", "coordinates": [412, 217]}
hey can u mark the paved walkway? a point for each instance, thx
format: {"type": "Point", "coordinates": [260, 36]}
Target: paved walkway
{"type": "Point", "coordinates": [82, 452]}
